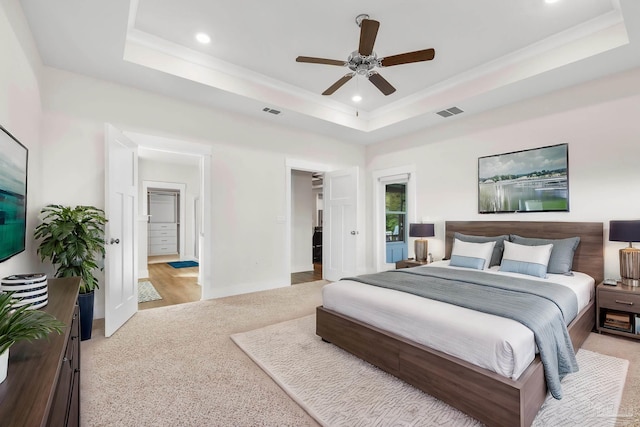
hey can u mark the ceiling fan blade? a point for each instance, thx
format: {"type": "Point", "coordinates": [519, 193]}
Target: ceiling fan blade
{"type": "Point", "coordinates": [337, 85]}
{"type": "Point", "coordinates": [379, 82]}
{"type": "Point", "coordinates": [368, 33]}
{"type": "Point", "coordinates": [406, 58]}
{"type": "Point", "coordinates": [313, 60]}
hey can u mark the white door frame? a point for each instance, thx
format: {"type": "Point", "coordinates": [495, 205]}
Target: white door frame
{"type": "Point", "coordinates": [380, 179]}
{"type": "Point", "coordinates": [306, 166]}
{"type": "Point", "coordinates": [204, 152]}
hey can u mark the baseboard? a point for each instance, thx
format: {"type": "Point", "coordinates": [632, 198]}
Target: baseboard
{"type": "Point", "coordinates": [245, 288]}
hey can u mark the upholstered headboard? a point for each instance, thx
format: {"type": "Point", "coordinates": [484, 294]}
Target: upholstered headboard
{"type": "Point", "coordinates": [589, 256]}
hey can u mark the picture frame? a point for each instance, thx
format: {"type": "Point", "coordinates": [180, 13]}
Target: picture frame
{"type": "Point", "coordinates": [533, 180]}
{"type": "Point", "coordinates": [13, 195]}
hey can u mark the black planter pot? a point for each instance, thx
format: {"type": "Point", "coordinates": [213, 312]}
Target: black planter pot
{"type": "Point", "coordinates": [85, 301]}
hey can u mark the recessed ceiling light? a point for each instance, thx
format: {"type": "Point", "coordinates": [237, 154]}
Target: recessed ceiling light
{"type": "Point", "coordinates": [356, 98]}
{"type": "Point", "coordinates": [203, 38]}
{"type": "Point", "coordinates": [550, 1]}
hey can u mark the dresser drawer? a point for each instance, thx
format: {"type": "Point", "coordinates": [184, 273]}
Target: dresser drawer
{"type": "Point", "coordinates": [162, 233]}
{"type": "Point", "coordinates": [628, 302]}
{"type": "Point", "coordinates": [162, 249]}
{"type": "Point", "coordinates": [162, 226]}
{"type": "Point", "coordinates": [165, 240]}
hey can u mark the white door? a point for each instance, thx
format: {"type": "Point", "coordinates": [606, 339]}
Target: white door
{"type": "Point", "coordinates": [340, 232]}
{"type": "Point", "coordinates": [121, 275]}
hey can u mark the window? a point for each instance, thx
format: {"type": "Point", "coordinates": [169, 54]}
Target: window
{"type": "Point", "coordinates": [396, 212]}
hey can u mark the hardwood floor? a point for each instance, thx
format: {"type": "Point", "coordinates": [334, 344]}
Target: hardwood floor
{"type": "Point", "coordinates": [175, 285]}
{"type": "Point", "coordinates": [307, 276]}
{"type": "Point", "coordinates": [179, 285]}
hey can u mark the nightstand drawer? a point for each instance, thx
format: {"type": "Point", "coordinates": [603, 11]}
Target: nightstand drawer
{"type": "Point", "coordinates": [619, 301]}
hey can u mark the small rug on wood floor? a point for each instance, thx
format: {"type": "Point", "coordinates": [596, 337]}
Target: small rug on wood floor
{"type": "Point", "coordinates": [183, 264]}
{"type": "Point", "coordinates": [146, 292]}
{"type": "Point", "coordinates": [338, 389]}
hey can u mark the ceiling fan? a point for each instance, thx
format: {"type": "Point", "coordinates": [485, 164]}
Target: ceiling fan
{"type": "Point", "coordinates": [364, 60]}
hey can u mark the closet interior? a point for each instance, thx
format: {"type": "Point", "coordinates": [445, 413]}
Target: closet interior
{"type": "Point", "coordinates": [163, 208]}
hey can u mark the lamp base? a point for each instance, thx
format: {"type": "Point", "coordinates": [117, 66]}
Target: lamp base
{"type": "Point", "coordinates": [630, 266]}
{"type": "Point", "coordinates": [630, 282]}
{"type": "Point", "coordinates": [421, 249]}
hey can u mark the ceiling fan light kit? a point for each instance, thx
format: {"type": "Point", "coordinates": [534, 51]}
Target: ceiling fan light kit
{"type": "Point", "coordinates": [364, 60]}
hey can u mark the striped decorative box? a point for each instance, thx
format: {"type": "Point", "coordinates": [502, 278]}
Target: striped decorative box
{"type": "Point", "coordinates": [28, 289]}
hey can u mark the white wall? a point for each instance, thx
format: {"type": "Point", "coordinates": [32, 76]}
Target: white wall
{"type": "Point", "coordinates": [604, 156]}
{"type": "Point", "coordinates": [20, 114]}
{"type": "Point", "coordinates": [248, 178]}
{"type": "Point", "coordinates": [60, 117]}
{"type": "Point", "coordinates": [302, 213]}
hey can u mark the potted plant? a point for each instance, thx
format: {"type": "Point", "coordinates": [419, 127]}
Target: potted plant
{"type": "Point", "coordinates": [21, 324]}
{"type": "Point", "coordinates": [72, 239]}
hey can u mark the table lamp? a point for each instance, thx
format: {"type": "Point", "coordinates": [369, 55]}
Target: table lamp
{"type": "Point", "coordinates": [421, 246]}
{"type": "Point", "coordinates": [627, 231]}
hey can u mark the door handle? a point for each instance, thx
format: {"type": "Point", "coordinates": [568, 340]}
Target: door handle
{"type": "Point", "coordinates": [354, 232]}
{"type": "Point", "coordinates": [116, 241]}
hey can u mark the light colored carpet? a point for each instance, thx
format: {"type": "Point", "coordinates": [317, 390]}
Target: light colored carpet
{"type": "Point", "coordinates": [339, 389]}
{"type": "Point", "coordinates": [146, 292]}
{"type": "Point", "coordinates": [177, 366]}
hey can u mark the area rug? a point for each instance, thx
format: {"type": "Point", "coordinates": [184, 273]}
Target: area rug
{"type": "Point", "coordinates": [183, 264]}
{"type": "Point", "coordinates": [338, 389]}
{"type": "Point", "coordinates": [146, 292]}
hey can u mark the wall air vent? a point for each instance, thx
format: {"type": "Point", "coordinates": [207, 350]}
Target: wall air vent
{"type": "Point", "coordinates": [450, 112]}
{"type": "Point", "coordinates": [271, 110]}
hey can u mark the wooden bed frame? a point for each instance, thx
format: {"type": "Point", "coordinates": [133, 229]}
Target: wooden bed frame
{"type": "Point", "coordinates": [491, 398]}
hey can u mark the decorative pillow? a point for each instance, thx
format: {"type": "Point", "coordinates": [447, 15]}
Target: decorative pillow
{"type": "Point", "coordinates": [497, 249]}
{"type": "Point", "coordinates": [471, 255]}
{"type": "Point", "coordinates": [523, 259]}
{"type": "Point", "coordinates": [561, 260]}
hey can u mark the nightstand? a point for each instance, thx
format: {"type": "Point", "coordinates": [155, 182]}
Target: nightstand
{"type": "Point", "coordinates": [406, 263]}
{"type": "Point", "coordinates": [618, 310]}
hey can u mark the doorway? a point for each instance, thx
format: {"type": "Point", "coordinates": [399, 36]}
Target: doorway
{"type": "Point", "coordinates": [169, 232]}
{"type": "Point", "coordinates": [396, 248]}
{"type": "Point", "coordinates": [394, 203]}
{"type": "Point", "coordinates": [170, 247]}
{"type": "Point", "coordinates": [306, 226]}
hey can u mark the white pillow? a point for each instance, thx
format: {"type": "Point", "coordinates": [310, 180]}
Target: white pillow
{"type": "Point", "coordinates": [531, 260]}
{"type": "Point", "coordinates": [471, 255]}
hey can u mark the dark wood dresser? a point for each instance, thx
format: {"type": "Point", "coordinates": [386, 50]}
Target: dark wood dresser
{"type": "Point", "coordinates": [43, 380]}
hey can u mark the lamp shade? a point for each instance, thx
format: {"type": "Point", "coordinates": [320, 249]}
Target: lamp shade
{"type": "Point", "coordinates": [421, 230]}
{"type": "Point", "coordinates": [624, 231]}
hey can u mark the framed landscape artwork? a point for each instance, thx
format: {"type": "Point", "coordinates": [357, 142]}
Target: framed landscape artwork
{"type": "Point", "coordinates": [535, 180]}
{"type": "Point", "coordinates": [13, 195]}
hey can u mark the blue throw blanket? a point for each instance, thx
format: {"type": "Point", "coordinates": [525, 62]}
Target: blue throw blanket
{"type": "Point", "coordinates": [545, 308]}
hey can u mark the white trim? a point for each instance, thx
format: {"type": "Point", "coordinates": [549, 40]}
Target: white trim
{"type": "Point", "coordinates": [380, 179]}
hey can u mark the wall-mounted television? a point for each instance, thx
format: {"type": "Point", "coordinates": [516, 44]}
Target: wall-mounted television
{"type": "Point", "coordinates": [13, 195]}
{"type": "Point", "coordinates": [534, 180]}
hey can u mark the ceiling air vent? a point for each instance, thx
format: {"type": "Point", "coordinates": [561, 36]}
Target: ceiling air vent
{"type": "Point", "coordinates": [271, 110]}
{"type": "Point", "coordinates": [450, 112]}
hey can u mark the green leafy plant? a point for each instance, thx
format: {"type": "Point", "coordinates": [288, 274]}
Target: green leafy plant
{"type": "Point", "coordinates": [23, 324]}
{"type": "Point", "coordinates": [72, 238]}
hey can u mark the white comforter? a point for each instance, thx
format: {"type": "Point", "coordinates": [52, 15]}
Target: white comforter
{"type": "Point", "coordinates": [501, 345]}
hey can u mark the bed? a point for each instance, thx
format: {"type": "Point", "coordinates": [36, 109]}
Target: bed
{"type": "Point", "coordinates": [493, 398]}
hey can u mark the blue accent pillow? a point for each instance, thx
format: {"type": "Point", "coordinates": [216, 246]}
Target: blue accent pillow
{"type": "Point", "coordinates": [523, 259]}
{"type": "Point", "coordinates": [471, 255]}
{"type": "Point", "coordinates": [496, 256]}
{"type": "Point", "coordinates": [561, 260]}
